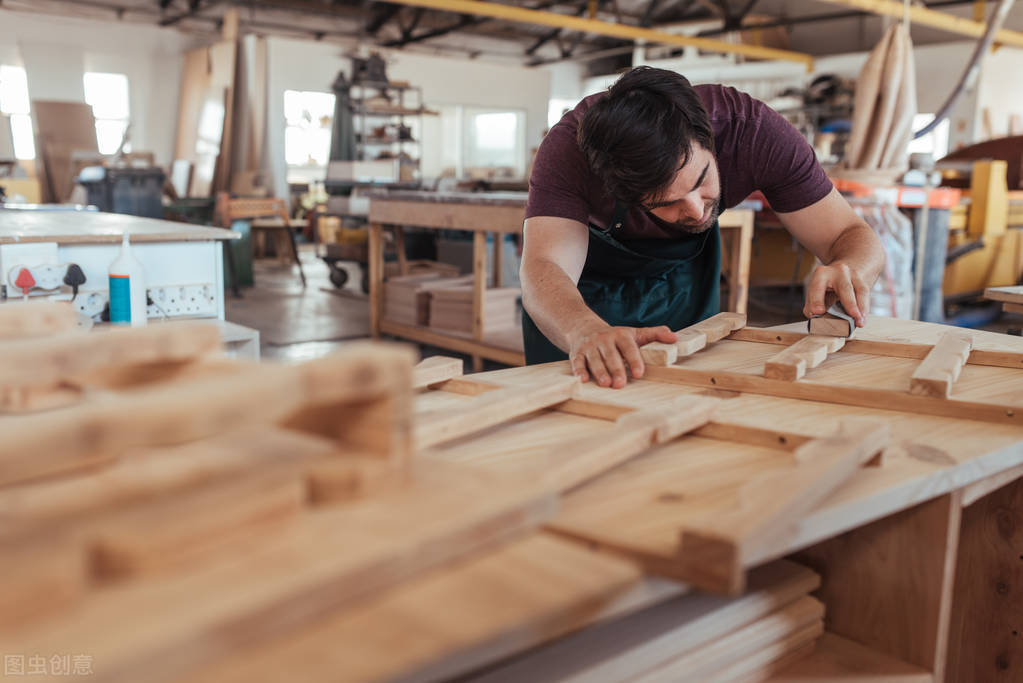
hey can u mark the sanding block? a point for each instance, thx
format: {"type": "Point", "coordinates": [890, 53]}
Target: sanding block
{"type": "Point", "coordinates": [835, 323]}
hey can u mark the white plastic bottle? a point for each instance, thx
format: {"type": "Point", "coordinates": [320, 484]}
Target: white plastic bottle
{"type": "Point", "coordinates": [127, 288]}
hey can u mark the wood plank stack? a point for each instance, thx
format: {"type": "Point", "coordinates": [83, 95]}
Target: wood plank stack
{"type": "Point", "coordinates": [451, 308]}
{"type": "Point", "coordinates": [693, 638]}
{"type": "Point", "coordinates": [407, 297]}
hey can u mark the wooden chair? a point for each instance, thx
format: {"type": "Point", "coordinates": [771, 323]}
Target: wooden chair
{"type": "Point", "coordinates": [230, 210]}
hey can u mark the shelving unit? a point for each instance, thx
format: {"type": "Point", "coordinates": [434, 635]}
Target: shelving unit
{"type": "Point", "coordinates": [402, 112]}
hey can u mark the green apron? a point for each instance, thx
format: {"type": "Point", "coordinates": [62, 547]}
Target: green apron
{"type": "Point", "coordinates": [673, 282]}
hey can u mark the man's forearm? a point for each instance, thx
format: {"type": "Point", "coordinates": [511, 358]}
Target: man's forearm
{"type": "Point", "coordinates": [859, 248]}
{"type": "Point", "coordinates": [554, 303]}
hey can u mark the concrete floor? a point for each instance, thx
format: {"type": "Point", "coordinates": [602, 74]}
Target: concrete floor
{"type": "Point", "coordinates": [299, 324]}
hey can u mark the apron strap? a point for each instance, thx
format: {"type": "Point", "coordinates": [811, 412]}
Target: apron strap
{"type": "Point", "coordinates": [617, 219]}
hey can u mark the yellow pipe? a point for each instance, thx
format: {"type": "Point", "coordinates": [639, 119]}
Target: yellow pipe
{"type": "Point", "coordinates": [571, 23]}
{"type": "Point", "coordinates": [932, 18]}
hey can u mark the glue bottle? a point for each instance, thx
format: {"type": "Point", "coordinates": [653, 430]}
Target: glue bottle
{"type": "Point", "coordinates": [127, 288]}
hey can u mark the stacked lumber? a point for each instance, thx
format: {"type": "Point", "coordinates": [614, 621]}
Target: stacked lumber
{"type": "Point", "coordinates": [451, 308]}
{"type": "Point", "coordinates": [690, 638]}
{"type": "Point", "coordinates": [407, 297]}
{"type": "Point", "coordinates": [198, 514]}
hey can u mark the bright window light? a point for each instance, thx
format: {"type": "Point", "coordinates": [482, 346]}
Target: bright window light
{"type": "Point", "coordinates": [556, 109]}
{"type": "Point", "coordinates": [309, 118]}
{"type": "Point", "coordinates": [495, 139]}
{"type": "Point", "coordinates": [14, 102]}
{"type": "Point", "coordinates": [107, 94]}
{"type": "Point", "coordinates": [935, 142]}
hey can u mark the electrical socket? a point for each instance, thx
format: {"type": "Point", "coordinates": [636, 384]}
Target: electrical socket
{"type": "Point", "coordinates": [49, 276]}
{"type": "Point", "coordinates": [91, 303]}
{"type": "Point", "coordinates": [182, 300]}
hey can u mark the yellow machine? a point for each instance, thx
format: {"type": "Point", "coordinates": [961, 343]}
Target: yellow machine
{"type": "Point", "coordinates": [988, 229]}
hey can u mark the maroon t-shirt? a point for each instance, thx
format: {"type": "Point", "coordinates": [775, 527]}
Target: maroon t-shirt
{"type": "Point", "coordinates": [756, 149]}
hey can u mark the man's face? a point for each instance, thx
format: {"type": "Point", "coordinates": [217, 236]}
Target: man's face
{"type": "Point", "coordinates": [692, 201]}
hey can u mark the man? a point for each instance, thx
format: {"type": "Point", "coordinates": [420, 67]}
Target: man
{"type": "Point", "coordinates": [621, 243]}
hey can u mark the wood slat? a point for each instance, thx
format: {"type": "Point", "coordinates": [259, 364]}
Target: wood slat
{"type": "Point", "coordinates": [693, 338]}
{"type": "Point", "coordinates": [434, 370]}
{"type": "Point", "coordinates": [883, 399]}
{"type": "Point", "coordinates": [489, 409]}
{"type": "Point", "coordinates": [716, 550]}
{"type": "Point", "coordinates": [809, 352]}
{"type": "Point", "coordinates": [935, 375]}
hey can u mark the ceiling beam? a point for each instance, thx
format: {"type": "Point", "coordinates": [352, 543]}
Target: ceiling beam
{"type": "Point", "coordinates": [554, 20]}
{"type": "Point", "coordinates": [383, 14]}
{"type": "Point", "coordinates": [929, 17]}
{"type": "Point", "coordinates": [194, 8]}
{"type": "Point", "coordinates": [465, 21]}
{"type": "Point", "coordinates": [547, 37]}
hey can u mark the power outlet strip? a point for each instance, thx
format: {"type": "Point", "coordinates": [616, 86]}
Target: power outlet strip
{"type": "Point", "coordinates": [91, 303]}
{"type": "Point", "coordinates": [183, 300]}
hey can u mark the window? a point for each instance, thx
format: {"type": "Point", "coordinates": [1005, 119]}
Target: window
{"type": "Point", "coordinates": [309, 118]}
{"type": "Point", "coordinates": [556, 108]}
{"type": "Point", "coordinates": [495, 139]}
{"type": "Point", "coordinates": [935, 142]}
{"type": "Point", "coordinates": [107, 94]}
{"type": "Point", "coordinates": [14, 102]}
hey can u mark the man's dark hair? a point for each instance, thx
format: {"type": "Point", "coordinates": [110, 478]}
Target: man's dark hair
{"type": "Point", "coordinates": [638, 136]}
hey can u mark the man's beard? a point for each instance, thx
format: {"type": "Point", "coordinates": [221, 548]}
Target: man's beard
{"type": "Point", "coordinates": [691, 228]}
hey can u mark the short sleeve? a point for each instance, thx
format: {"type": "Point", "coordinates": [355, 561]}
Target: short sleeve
{"type": "Point", "coordinates": [558, 183]}
{"type": "Point", "coordinates": [785, 167]}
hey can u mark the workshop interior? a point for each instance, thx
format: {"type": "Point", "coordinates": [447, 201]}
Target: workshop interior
{"type": "Point", "coordinates": [270, 400]}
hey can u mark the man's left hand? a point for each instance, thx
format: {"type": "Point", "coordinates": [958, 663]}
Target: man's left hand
{"type": "Point", "coordinates": [837, 281]}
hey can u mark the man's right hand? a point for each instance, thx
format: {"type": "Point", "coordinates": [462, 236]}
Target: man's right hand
{"type": "Point", "coordinates": [602, 352]}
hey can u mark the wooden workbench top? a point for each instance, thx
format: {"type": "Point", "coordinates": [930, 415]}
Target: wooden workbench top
{"type": "Point", "coordinates": [91, 227]}
{"type": "Point", "coordinates": [931, 456]}
{"type": "Point", "coordinates": [485, 198]}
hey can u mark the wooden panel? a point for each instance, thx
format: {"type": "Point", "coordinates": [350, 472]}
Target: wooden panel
{"type": "Point", "coordinates": [941, 367]}
{"type": "Point", "coordinates": [716, 550]}
{"type": "Point", "coordinates": [802, 617]}
{"type": "Point", "coordinates": [840, 660]}
{"type": "Point", "coordinates": [985, 642]}
{"type": "Point", "coordinates": [297, 577]}
{"type": "Point", "coordinates": [888, 585]}
{"type": "Point", "coordinates": [625, 649]}
{"type": "Point", "coordinates": [525, 593]}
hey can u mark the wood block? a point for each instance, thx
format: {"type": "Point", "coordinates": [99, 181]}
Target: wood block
{"type": "Point", "coordinates": [491, 409]}
{"type": "Point", "coordinates": [936, 373]}
{"type": "Point", "coordinates": [339, 479]}
{"type": "Point", "coordinates": [64, 356]}
{"type": "Point", "coordinates": [719, 326]}
{"type": "Point", "coordinates": [36, 319]}
{"type": "Point", "coordinates": [434, 370]}
{"type": "Point", "coordinates": [180, 529]}
{"type": "Point", "coordinates": [809, 352]}
{"type": "Point", "coordinates": [715, 551]}
{"type": "Point", "coordinates": [831, 326]}
{"type": "Point", "coordinates": [1012, 308]}
{"type": "Point", "coordinates": [693, 338]}
{"type": "Point", "coordinates": [372, 381]}
{"type": "Point", "coordinates": [659, 353]}
{"type": "Point", "coordinates": [800, 621]}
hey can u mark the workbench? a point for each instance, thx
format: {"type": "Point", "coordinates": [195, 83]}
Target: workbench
{"type": "Point", "coordinates": [920, 557]}
{"type": "Point", "coordinates": [500, 213]}
{"type": "Point", "coordinates": [359, 518]}
{"type": "Point", "coordinates": [174, 256]}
